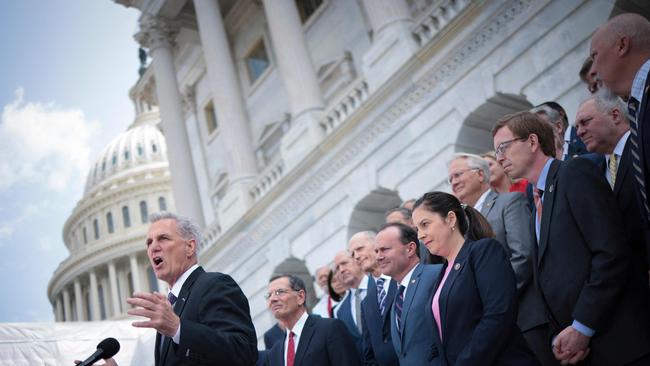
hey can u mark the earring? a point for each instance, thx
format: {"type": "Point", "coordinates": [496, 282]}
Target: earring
{"type": "Point", "coordinates": [453, 228]}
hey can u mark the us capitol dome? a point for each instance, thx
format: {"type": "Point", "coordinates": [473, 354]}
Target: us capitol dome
{"type": "Point", "coordinates": [105, 234]}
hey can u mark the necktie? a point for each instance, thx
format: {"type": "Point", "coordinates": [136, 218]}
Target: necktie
{"type": "Point", "coordinates": [171, 298]}
{"type": "Point", "coordinates": [357, 308]}
{"type": "Point", "coordinates": [633, 106]}
{"type": "Point", "coordinates": [399, 303]}
{"type": "Point", "coordinates": [537, 197]}
{"type": "Point", "coordinates": [291, 350]}
{"type": "Point", "coordinates": [381, 295]}
{"type": "Point", "coordinates": [612, 167]}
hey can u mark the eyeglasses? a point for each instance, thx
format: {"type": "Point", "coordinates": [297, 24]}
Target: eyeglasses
{"type": "Point", "coordinates": [501, 149]}
{"type": "Point", "coordinates": [279, 293]}
{"type": "Point", "coordinates": [458, 174]}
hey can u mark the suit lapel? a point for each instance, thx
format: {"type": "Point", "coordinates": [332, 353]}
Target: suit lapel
{"type": "Point", "coordinates": [459, 266]}
{"type": "Point", "coordinates": [179, 306]}
{"type": "Point", "coordinates": [410, 294]}
{"type": "Point", "coordinates": [547, 208]}
{"type": "Point", "coordinates": [390, 297]}
{"type": "Point", "coordinates": [305, 338]}
{"type": "Point", "coordinates": [489, 203]}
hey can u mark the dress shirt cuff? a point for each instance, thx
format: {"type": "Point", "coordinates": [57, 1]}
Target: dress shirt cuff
{"type": "Point", "coordinates": [177, 337]}
{"type": "Point", "coordinates": [583, 329]}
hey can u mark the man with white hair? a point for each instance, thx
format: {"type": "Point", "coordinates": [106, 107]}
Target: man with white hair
{"type": "Point", "coordinates": [620, 51]}
{"type": "Point", "coordinates": [509, 216]}
{"type": "Point", "coordinates": [568, 142]}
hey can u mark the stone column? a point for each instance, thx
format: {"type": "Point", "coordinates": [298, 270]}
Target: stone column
{"type": "Point", "coordinates": [230, 109]}
{"type": "Point", "coordinates": [58, 309]}
{"type": "Point", "coordinates": [115, 297]}
{"type": "Point", "coordinates": [299, 78]}
{"type": "Point", "coordinates": [78, 299]}
{"type": "Point", "coordinates": [94, 297]}
{"type": "Point", "coordinates": [157, 34]}
{"type": "Point", "coordinates": [393, 42]}
{"type": "Point", "coordinates": [135, 273]}
{"type": "Point", "coordinates": [67, 310]}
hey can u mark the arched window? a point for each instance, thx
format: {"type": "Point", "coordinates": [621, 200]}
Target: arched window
{"type": "Point", "coordinates": [96, 228]}
{"type": "Point", "coordinates": [125, 216]}
{"type": "Point", "coordinates": [114, 159]}
{"type": "Point", "coordinates": [154, 148]}
{"type": "Point", "coordinates": [162, 205]}
{"type": "Point", "coordinates": [144, 214]}
{"type": "Point", "coordinates": [126, 154]}
{"type": "Point", "coordinates": [140, 150]}
{"type": "Point", "coordinates": [109, 222]}
{"type": "Point", "coordinates": [85, 235]}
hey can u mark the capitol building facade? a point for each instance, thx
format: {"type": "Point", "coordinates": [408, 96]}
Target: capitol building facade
{"type": "Point", "coordinates": [289, 125]}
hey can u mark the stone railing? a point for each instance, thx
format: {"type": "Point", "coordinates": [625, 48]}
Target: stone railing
{"type": "Point", "coordinates": [356, 94]}
{"type": "Point", "coordinates": [210, 235]}
{"type": "Point", "coordinates": [436, 17]}
{"type": "Point", "coordinates": [268, 179]}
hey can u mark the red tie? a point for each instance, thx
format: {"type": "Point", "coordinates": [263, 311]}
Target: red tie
{"type": "Point", "coordinates": [291, 350]}
{"type": "Point", "coordinates": [537, 197]}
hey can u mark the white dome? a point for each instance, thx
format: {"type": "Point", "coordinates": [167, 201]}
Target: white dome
{"type": "Point", "coordinates": [141, 145]}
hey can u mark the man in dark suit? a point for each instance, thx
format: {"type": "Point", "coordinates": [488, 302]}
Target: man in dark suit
{"type": "Point", "coordinates": [581, 260]}
{"type": "Point", "coordinates": [509, 216]}
{"type": "Point", "coordinates": [415, 341]}
{"type": "Point", "coordinates": [375, 307]}
{"type": "Point", "coordinates": [273, 335]}
{"type": "Point", "coordinates": [310, 340]}
{"type": "Point", "coordinates": [553, 113]}
{"type": "Point", "coordinates": [349, 309]}
{"type": "Point", "coordinates": [402, 215]}
{"type": "Point", "coordinates": [620, 51]}
{"type": "Point", "coordinates": [602, 123]}
{"type": "Point", "coordinates": [205, 318]}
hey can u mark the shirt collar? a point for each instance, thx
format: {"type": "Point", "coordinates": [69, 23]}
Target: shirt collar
{"type": "Point", "coordinates": [363, 285]}
{"type": "Point", "coordinates": [297, 328]}
{"type": "Point", "coordinates": [639, 81]}
{"type": "Point", "coordinates": [176, 289]}
{"type": "Point", "coordinates": [407, 279]}
{"type": "Point", "coordinates": [481, 200]}
{"type": "Point", "coordinates": [620, 146]}
{"type": "Point", "coordinates": [541, 182]}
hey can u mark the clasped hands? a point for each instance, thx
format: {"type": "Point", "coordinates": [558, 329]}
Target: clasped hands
{"type": "Point", "coordinates": [570, 346]}
{"type": "Point", "coordinates": [159, 311]}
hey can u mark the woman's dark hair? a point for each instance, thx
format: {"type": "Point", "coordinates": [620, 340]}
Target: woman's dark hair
{"type": "Point", "coordinates": [471, 223]}
{"type": "Point", "coordinates": [336, 297]}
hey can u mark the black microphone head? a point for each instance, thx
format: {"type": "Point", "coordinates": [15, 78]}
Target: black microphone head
{"type": "Point", "coordinates": [110, 347]}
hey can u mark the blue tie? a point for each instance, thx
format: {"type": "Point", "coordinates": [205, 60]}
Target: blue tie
{"type": "Point", "coordinates": [399, 303]}
{"type": "Point", "coordinates": [171, 298]}
{"type": "Point", "coordinates": [633, 106]}
{"type": "Point", "coordinates": [381, 295]}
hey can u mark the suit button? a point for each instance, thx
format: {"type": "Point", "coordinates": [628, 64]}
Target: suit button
{"type": "Point", "coordinates": [385, 340]}
{"type": "Point", "coordinates": [404, 355]}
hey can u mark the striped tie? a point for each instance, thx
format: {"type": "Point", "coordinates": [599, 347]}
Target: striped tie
{"type": "Point", "coordinates": [537, 197]}
{"type": "Point", "coordinates": [399, 303]}
{"type": "Point", "coordinates": [381, 295]}
{"type": "Point", "coordinates": [635, 140]}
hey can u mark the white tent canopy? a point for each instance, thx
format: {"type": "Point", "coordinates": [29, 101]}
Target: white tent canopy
{"type": "Point", "coordinates": [61, 343]}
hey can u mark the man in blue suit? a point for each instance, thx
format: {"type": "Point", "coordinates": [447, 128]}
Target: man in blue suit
{"type": "Point", "coordinates": [415, 341]}
{"type": "Point", "coordinates": [309, 340]}
{"type": "Point", "coordinates": [375, 308]}
{"type": "Point", "coordinates": [349, 309]}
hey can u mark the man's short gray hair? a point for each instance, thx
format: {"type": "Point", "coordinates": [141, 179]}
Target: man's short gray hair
{"type": "Point", "coordinates": [474, 162]}
{"type": "Point", "coordinates": [606, 101]}
{"type": "Point", "coordinates": [186, 228]}
{"type": "Point", "coordinates": [552, 115]}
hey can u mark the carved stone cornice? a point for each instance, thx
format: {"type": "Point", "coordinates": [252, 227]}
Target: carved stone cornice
{"type": "Point", "coordinates": [157, 32]}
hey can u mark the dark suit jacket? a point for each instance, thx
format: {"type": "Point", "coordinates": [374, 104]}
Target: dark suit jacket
{"type": "Point", "coordinates": [582, 263]}
{"type": "Point", "coordinates": [273, 335]}
{"type": "Point", "coordinates": [216, 327]}
{"type": "Point", "coordinates": [478, 309]}
{"type": "Point", "coordinates": [509, 216]}
{"type": "Point", "coordinates": [344, 313]}
{"type": "Point", "coordinates": [377, 344]}
{"type": "Point", "coordinates": [576, 146]}
{"type": "Point", "coordinates": [418, 345]}
{"type": "Point", "coordinates": [323, 342]}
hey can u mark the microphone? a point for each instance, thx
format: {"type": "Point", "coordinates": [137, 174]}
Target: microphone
{"type": "Point", "coordinates": [105, 349]}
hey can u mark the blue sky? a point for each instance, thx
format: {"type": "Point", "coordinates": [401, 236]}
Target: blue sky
{"type": "Point", "coordinates": [65, 71]}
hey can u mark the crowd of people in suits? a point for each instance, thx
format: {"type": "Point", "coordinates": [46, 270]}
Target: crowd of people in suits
{"type": "Point", "coordinates": [539, 256]}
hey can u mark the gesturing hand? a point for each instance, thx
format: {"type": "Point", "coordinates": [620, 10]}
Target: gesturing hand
{"type": "Point", "coordinates": [159, 311]}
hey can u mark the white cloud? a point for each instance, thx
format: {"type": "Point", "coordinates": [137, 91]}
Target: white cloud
{"type": "Point", "coordinates": [43, 144]}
